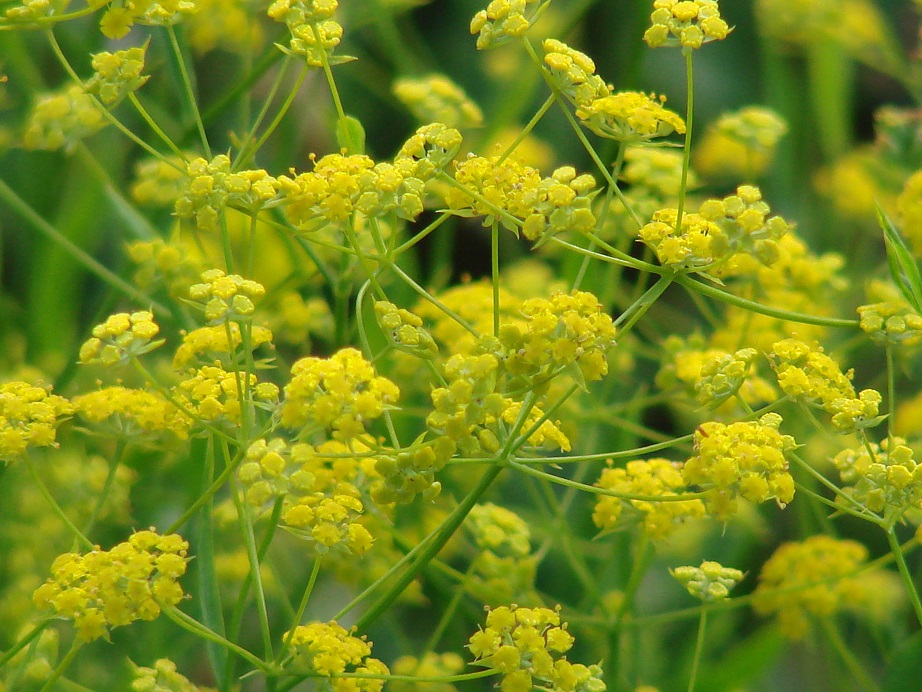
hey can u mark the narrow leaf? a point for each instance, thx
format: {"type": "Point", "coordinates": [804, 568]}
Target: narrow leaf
{"type": "Point", "coordinates": [350, 135]}
{"type": "Point", "coordinates": [903, 267]}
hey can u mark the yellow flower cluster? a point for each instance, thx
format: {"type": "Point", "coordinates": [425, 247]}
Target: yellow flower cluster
{"type": "Point", "coordinates": [884, 478]}
{"type": "Point", "coordinates": [722, 376]}
{"type": "Point", "coordinates": [314, 34]}
{"type": "Point", "coordinates": [466, 402]}
{"type": "Point", "coordinates": [573, 73]}
{"type": "Point", "coordinates": [741, 143]}
{"type": "Point", "coordinates": [432, 147]}
{"type": "Point", "coordinates": [121, 16]}
{"type": "Point", "coordinates": [120, 338]}
{"type": "Point", "coordinates": [658, 171]}
{"type": "Point", "coordinates": [892, 321]}
{"type": "Point", "coordinates": [162, 677]}
{"type": "Point", "coordinates": [630, 117]}
{"type": "Point", "coordinates": [744, 459]}
{"type": "Point", "coordinates": [548, 434]}
{"type": "Point", "coordinates": [743, 219]}
{"type": "Point", "coordinates": [207, 344]}
{"type": "Point", "coordinates": [319, 505]}
{"type": "Point", "coordinates": [211, 186]}
{"type": "Point", "coordinates": [436, 98]}
{"type": "Point", "coordinates": [564, 203]}
{"type": "Point", "coordinates": [30, 10]}
{"type": "Point", "coordinates": [411, 472]}
{"type": "Point", "coordinates": [504, 569]}
{"type": "Point", "coordinates": [405, 330]}
{"type": "Point", "coordinates": [28, 418]}
{"type": "Point", "coordinates": [653, 478]}
{"type": "Point", "coordinates": [567, 329]}
{"type": "Point", "coordinates": [709, 582]}
{"type": "Point", "coordinates": [528, 646]}
{"type": "Point", "coordinates": [503, 19]}
{"type": "Point", "coordinates": [213, 394]}
{"type": "Point", "coordinates": [133, 415]}
{"type": "Point", "coordinates": [699, 243]}
{"type": "Point", "coordinates": [431, 665]}
{"type": "Point", "coordinates": [341, 393]}
{"type": "Point", "coordinates": [296, 320]}
{"type": "Point", "coordinates": [494, 189]}
{"type": "Point", "coordinates": [111, 588]}
{"type": "Point", "coordinates": [813, 378]}
{"type": "Point", "coordinates": [328, 649]}
{"type": "Point", "coordinates": [226, 297]}
{"type": "Point", "coordinates": [59, 120]}
{"type": "Point", "coordinates": [685, 23]}
{"type": "Point", "coordinates": [817, 576]}
{"type": "Point", "coordinates": [115, 75]}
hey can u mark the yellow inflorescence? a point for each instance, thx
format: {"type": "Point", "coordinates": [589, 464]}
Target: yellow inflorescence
{"type": "Point", "coordinates": [120, 338]}
{"type": "Point", "coordinates": [29, 416]}
{"type": "Point", "coordinates": [314, 34]}
{"type": "Point", "coordinates": [340, 393]}
{"type": "Point", "coordinates": [212, 186]}
{"type": "Point", "coordinates": [120, 17]}
{"type": "Point", "coordinates": [103, 589]}
{"type": "Point", "coordinates": [436, 98]}
{"type": "Point", "coordinates": [741, 460]}
{"type": "Point", "coordinates": [117, 74]}
{"type": "Point", "coordinates": [328, 649]}
{"type": "Point", "coordinates": [226, 297]}
{"type": "Point", "coordinates": [818, 576]}
{"type": "Point", "coordinates": [884, 478]}
{"type": "Point", "coordinates": [573, 73]}
{"type": "Point", "coordinates": [685, 23]}
{"type": "Point", "coordinates": [652, 478]}
{"type": "Point", "coordinates": [709, 582]}
{"type": "Point", "coordinates": [162, 677]}
{"type": "Point", "coordinates": [528, 646]}
{"type": "Point", "coordinates": [132, 414]}
{"type": "Point", "coordinates": [59, 120]}
{"type": "Point", "coordinates": [741, 143]}
{"type": "Point", "coordinates": [503, 19]}
{"type": "Point", "coordinates": [630, 117]}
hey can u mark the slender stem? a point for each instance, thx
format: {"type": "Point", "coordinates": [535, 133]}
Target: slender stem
{"type": "Point", "coordinates": [494, 274]}
{"type": "Point", "coordinates": [62, 666]}
{"type": "Point", "coordinates": [187, 87]}
{"type": "Point", "coordinates": [686, 152]}
{"type": "Point", "coordinates": [107, 487]}
{"type": "Point", "coordinates": [848, 658]}
{"type": "Point", "coordinates": [56, 508]}
{"type": "Point", "coordinates": [24, 641]}
{"type": "Point", "coordinates": [278, 116]}
{"type": "Point", "coordinates": [192, 625]}
{"type": "Point", "coordinates": [699, 647]}
{"type": "Point", "coordinates": [309, 589]}
{"type": "Point", "coordinates": [152, 124]}
{"type": "Point", "coordinates": [911, 589]}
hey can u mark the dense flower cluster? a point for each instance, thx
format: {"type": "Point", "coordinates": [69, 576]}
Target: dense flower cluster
{"type": "Point", "coordinates": [111, 588]}
{"type": "Point", "coordinates": [115, 75]}
{"type": "Point", "coordinates": [120, 338]}
{"type": "Point", "coordinates": [685, 23]}
{"type": "Point", "coordinates": [162, 677]}
{"type": "Point", "coordinates": [744, 459]}
{"type": "Point", "coordinates": [884, 478]}
{"type": "Point", "coordinates": [405, 330]}
{"type": "Point", "coordinates": [319, 504]}
{"type": "Point", "coordinates": [743, 219]}
{"type": "Point", "coordinates": [813, 378]}
{"type": "Point", "coordinates": [892, 321]}
{"type": "Point", "coordinates": [328, 649]}
{"type": "Point", "coordinates": [818, 576]}
{"type": "Point", "coordinates": [432, 147]}
{"type": "Point", "coordinates": [740, 143]}
{"type": "Point", "coordinates": [214, 395]}
{"type": "Point", "coordinates": [709, 582]}
{"type": "Point", "coordinates": [651, 478]}
{"type": "Point", "coordinates": [314, 34]}
{"type": "Point", "coordinates": [59, 120]}
{"type": "Point", "coordinates": [528, 646]}
{"type": "Point", "coordinates": [29, 416]}
{"type": "Point", "coordinates": [503, 19]}
{"type": "Point", "coordinates": [722, 376]}
{"type": "Point", "coordinates": [504, 569]}
{"type": "Point", "coordinates": [121, 16]}
{"type": "Point", "coordinates": [630, 117]}
{"type": "Point", "coordinates": [466, 402]}
{"type": "Point", "coordinates": [131, 414]}
{"type": "Point", "coordinates": [697, 244]}
{"type": "Point", "coordinates": [207, 344]}
{"type": "Point", "coordinates": [212, 186]}
{"type": "Point", "coordinates": [341, 393]}
{"type": "Point", "coordinates": [226, 297]}
{"type": "Point", "coordinates": [573, 73]}
{"type": "Point", "coordinates": [435, 98]}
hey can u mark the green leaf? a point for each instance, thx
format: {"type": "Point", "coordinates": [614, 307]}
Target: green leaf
{"type": "Point", "coordinates": [903, 267]}
{"type": "Point", "coordinates": [905, 668]}
{"type": "Point", "coordinates": [350, 135]}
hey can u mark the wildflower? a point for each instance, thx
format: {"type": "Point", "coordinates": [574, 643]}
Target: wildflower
{"type": "Point", "coordinates": [721, 377]}
{"type": "Point", "coordinates": [29, 416]}
{"type": "Point", "coordinates": [564, 204]}
{"type": "Point", "coordinates": [391, 188]}
{"type": "Point", "coordinates": [327, 649]}
{"type": "Point", "coordinates": [889, 481]}
{"type": "Point", "coordinates": [741, 143]}
{"type": "Point", "coordinates": [111, 588]}
{"type": "Point", "coordinates": [120, 338]}
{"type": "Point", "coordinates": [743, 459]}
{"type": "Point", "coordinates": [467, 401]}
{"type": "Point", "coordinates": [326, 195]}
{"type": "Point", "coordinates": [117, 74]}
{"type": "Point", "coordinates": [211, 186]}
{"type": "Point", "coordinates": [207, 343]}
{"type": "Point", "coordinates": [567, 329]}
{"type": "Point", "coordinates": [685, 23]}
{"type": "Point", "coordinates": [431, 665]}
{"type": "Point", "coordinates": [404, 330]}
{"type": "Point", "coordinates": [411, 472]}
{"type": "Point", "coordinates": [699, 243]}
{"type": "Point", "coordinates": [813, 378]}
{"type": "Point", "coordinates": [314, 34]}
{"type": "Point", "coordinates": [503, 19]}
{"type": "Point", "coordinates": [213, 395]}
{"type": "Point", "coordinates": [226, 297]}
{"type": "Point", "coordinates": [548, 434]}
{"type": "Point", "coordinates": [659, 171]}
{"type": "Point", "coordinates": [709, 582]}
{"type": "Point", "coordinates": [119, 18]}
{"type": "Point", "coordinates": [432, 147]}
{"type": "Point", "coordinates": [630, 117]}
{"type": "Point", "coordinates": [340, 393]}
{"type": "Point", "coordinates": [743, 219]}
{"type": "Point", "coordinates": [573, 73]}
{"type": "Point", "coordinates": [502, 192]}
{"type": "Point", "coordinates": [131, 414]}
{"type": "Point", "coordinates": [528, 646]}
{"type": "Point", "coordinates": [818, 576]}
{"type": "Point", "coordinates": [59, 120]}
{"type": "Point", "coordinates": [652, 478]}
{"type": "Point", "coordinates": [892, 321]}
{"type": "Point", "coordinates": [435, 98]}
{"type": "Point", "coordinates": [504, 567]}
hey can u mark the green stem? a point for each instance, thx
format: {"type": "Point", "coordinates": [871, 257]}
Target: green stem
{"type": "Point", "coordinates": [309, 589]}
{"type": "Point", "coordinates": [644, 303]}
{"type": "Point", "coordinates": [494, 274]}
{"type": "Point", "coordinates": [900, 559]}
{"type": "Point", "coordinates": [848, 658]}
{"type": "Point", "coordinates": [62, 666]}
{"type": "Point", "coordinates": [152, 124]}
{"type": "Point", "coordinates": [686, 152]}
{"type": "Point", "coordinates": [699, 647]}
{"type": "Point", "coordinates": [55, 507]}
{"type": "Point", "coordinates": [187, 88]}
{"type": "Point", "coordinates": [192, 625]}
{"type": "Point", "coordinates": [278, 116]}
{"type": "Point", "coordinates": [24, 641]}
